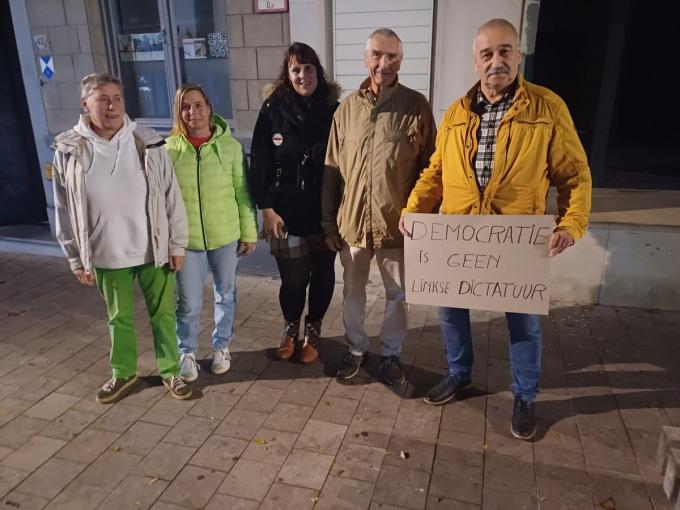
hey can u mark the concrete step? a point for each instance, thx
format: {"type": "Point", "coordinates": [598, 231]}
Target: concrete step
{"type": "Point", "coordinates": [669, 438]}
{"type": "Point", "coordinates": [671, 477]}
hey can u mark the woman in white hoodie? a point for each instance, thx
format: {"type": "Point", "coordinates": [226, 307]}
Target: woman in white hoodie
{"type": "Point", "coordinates": [120, 217]}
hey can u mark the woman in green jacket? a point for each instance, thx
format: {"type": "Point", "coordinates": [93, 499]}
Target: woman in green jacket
{"type": "Point", "coordinates": [209, 164]}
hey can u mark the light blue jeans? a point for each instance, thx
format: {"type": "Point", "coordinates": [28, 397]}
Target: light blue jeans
{"type": "Point", "coordinates": [526, 344]}
{"type": "Point", "coordinates": [190, 280]}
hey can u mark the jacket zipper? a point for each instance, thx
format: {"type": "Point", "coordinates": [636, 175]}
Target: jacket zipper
{"type": "Point", "coordinates": [200, 201]}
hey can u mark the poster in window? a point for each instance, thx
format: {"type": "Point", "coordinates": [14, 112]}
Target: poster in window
{"type": "Point", "coordinates": [217, 45]}
{"type": "Point", "coordinates": [126, 48]}
{"type": "Point", "coordinates": [195, 48]}
{"type": "Point", "coordinates": [139, 47]}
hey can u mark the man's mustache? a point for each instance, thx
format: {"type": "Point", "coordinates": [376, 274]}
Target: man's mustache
{"type": "Point", "coordinates": [498, 70]}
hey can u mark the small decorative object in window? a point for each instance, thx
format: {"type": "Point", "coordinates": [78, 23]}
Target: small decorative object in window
{"type": "Point", "coordinates": [194, 48]}
{"type": "Point", "coordinates": [217, 45]}
{"type": "Point", "coordinates": [271, 5]}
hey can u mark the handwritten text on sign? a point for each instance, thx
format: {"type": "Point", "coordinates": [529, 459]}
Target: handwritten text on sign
{"type": "Point", "coordinates": [492, 262]}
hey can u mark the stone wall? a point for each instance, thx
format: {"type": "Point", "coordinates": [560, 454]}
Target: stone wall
{"type": "Point", "coordinates": [256, 45]}
{"type": "Point", "coordinates": [75, 39]}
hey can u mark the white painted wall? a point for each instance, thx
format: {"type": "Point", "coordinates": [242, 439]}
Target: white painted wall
{"type": "Point", "coordinates": [457, 23]}
{"type": "Point", "coordinates": [353, 22]}
{"type": "Point", "coordinates": [310, 23]}
{"type": "Point", "coordinates": [450, 74]}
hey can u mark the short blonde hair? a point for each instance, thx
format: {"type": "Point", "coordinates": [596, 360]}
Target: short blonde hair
{"type": "Point", "coordinates": [93, 81]}
{"type": "Point", "coordinates": [179, 127]}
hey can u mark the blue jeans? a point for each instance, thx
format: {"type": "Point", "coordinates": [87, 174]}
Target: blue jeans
{"type": "Point", "coordinates": [525, 348]}
{"type": "Point", "coordinates": [190, 280]}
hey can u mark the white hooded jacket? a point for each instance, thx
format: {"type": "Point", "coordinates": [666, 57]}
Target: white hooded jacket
{"type": "Point", "coordinates": [73, 158]}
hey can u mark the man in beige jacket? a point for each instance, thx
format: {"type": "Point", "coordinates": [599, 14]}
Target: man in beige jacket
{"type": "Point", "coordinates": [382, 136]}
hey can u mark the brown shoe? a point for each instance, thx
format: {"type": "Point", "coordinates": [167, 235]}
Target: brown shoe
{"type": "Point", "coordinates": [114, 389]}
{"type": "Point", "coordinates": [309, 351]}
{"type": "Point", "coordinates": [290, 336]}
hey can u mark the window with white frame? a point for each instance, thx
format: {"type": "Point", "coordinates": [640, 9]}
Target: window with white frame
{"type": "Point", "coordinates": [157, 45]}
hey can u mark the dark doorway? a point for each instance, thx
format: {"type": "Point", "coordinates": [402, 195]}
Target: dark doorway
{"type": "Point", "coordinates": [609, 60]}
{"type": "Point", "coordinates": [22, 199]}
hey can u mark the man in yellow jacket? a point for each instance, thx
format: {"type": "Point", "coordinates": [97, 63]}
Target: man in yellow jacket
{"type": "Point", "coordinates": [499, 149]}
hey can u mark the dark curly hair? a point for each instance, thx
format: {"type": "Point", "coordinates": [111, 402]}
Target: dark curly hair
{"type": "Point", "coordinates": [304, 54]}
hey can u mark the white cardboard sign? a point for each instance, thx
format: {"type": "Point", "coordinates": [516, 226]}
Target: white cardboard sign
{"type": "Point", "coordinates": [483, 262]}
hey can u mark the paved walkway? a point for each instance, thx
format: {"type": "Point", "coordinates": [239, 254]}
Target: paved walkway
{"type": "Point", "coordinates": [276, 435]}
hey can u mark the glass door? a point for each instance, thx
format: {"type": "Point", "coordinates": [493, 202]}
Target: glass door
{"type": "Point", "coordinates": [202, 50]}
{"type": "Point", "coordinates": [139, 48]}
{"type": "Point", "coordinates": [157, 45]}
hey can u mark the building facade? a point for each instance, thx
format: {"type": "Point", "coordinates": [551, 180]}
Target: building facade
{"type": "Point", "coordinates": [607, 59]}
{"type": "Point", "coordinates": [228, 47]}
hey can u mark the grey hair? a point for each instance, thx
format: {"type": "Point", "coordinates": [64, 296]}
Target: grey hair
{"type": "Point", "coordinates": [385, 32]}
{"type": "Point", "coordinates": [496, 23]}
{"type": "Point", "coordinates": [93, 81]}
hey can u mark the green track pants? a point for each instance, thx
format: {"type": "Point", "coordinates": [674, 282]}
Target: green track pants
{"type": "Point", "coordinates": [158, 287]}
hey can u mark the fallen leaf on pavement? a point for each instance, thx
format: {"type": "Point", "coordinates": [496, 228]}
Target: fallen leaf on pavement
{"type": "Point", "coordinates": [608, 504]}
{"type": "Point", "coordinates": [18, 313]}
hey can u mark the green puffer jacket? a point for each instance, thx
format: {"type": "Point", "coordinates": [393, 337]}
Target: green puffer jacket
{"type": "Point", "coordinates": [213, 184]}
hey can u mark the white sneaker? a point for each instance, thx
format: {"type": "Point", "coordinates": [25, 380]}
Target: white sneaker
{"type": "Point", "coordinates": [221, 361]}
{"type": "Point", "coordinates": [188, 368]}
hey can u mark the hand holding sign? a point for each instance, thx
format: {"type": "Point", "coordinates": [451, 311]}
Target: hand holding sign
{"type": "Point", "coordinates": [560, 241]}
{"type": "Point", "coordinates": [490, 262]}
{"type": "Point", "coordinates": [402, 228]}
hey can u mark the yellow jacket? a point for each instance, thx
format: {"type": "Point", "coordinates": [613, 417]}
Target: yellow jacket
{"type": "Point", "coordinates": [536, 147]}
{"type": "Point", "coordinates": [374, 156]}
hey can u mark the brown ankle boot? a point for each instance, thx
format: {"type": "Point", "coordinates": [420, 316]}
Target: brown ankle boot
{"type": "Point", "coordinates": [310, 347]}
{"type": "Point", "coordinates": [290, 336]}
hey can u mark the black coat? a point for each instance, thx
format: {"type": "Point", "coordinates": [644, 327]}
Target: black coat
{"type": "Point", "coordinates": [287, 159]}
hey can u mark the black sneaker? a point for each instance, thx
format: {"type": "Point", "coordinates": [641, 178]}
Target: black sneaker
{"type": "Point", "coordinates": [114, 388]}
{"type": "Point", "coordinates": [391, 371]}
{"type": "Point", "coordinates": [523, 420]}
{"type": "Point", "coordinates": [445, 390]}
{"type": "Point", "coordinates": [350, 366]}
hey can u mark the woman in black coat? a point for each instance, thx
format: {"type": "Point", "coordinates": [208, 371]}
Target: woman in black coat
{"type": "Point", "coordinates": [287, 162]}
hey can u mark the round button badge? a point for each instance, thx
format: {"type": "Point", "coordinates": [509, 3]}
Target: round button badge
{"type": "Point", "coordinates": [277, 139]}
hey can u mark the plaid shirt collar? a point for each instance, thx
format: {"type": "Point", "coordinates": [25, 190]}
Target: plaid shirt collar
{"type": "Point", "coordinates": [507, 99]}
{"type": "Point", "coordinates": [491, 116]}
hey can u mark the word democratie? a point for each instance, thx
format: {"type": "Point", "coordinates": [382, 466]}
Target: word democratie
{"type": "Point", "coordinates": [476, 235]}
{"type": "Point", "coordinates": [483, 234]}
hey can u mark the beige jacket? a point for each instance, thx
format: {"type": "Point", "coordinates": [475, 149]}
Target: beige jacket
{"type": "Point", "coordinates": [374, 157]}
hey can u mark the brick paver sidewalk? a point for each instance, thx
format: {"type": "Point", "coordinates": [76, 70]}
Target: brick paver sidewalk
{"type": "Point", "coordinates": [276, 435]}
